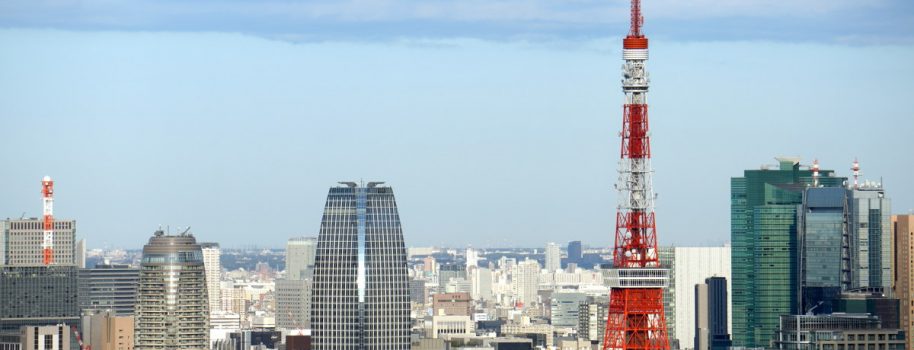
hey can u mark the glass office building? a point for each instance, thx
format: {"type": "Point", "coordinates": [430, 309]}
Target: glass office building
{"type": "Point", "coordinates": [361, 289]}
{"type": "Point", "coordinates": [763, 217]}
{"type": "Point", "coordinates": [825, 264]}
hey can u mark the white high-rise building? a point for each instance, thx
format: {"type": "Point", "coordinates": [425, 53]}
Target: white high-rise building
{"type": "Point", "coordinates": [553, 257]}
{"type": "Point", "coordinates": [525, 280]}
{"type": "Point", "coordinates": [472, 258]}
{"type": "Point", "coordinates": [690, 266]}
{"type": "Point", "coordinates": [300, 257]}
{"type": "Point", "coordinates": [482, 284]}
{"type": "Point", "coordinates": [213, 267]}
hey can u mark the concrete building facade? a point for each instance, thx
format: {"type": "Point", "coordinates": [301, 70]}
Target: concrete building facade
{"type": "Point", "coordinates": [903, 226]}
{"type": "Point", "coordinates": [172, 309]}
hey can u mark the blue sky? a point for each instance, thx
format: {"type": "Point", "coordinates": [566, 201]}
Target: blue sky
{"type": "Point", "coordinates": [495, 121]}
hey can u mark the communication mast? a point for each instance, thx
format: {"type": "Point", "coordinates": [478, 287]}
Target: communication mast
{"type": "Point", "coordinates": [635, 313]}
{"type": "Point", "coordinates": [856, 169]}
{"type": "Point", "coordinates": [47, 191]}
{"type": "Point", "coordinates": [815, 173]}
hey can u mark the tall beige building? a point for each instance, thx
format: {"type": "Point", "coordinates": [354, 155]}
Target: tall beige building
{"type": "Point", "coordinates": [300, 257]}
{"type": "Point", "coordinates": [111, 332]}
{"type": "Point", "coordinates": [213, 268]}
{"type": "Point", "coordinates": [904, 273]}
{"type": "Point", "coordinates": [172, 306]}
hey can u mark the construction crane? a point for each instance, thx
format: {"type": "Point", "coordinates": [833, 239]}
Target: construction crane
{"type": "Point", "coordinates": [79, 339]}
{"type": "Point", "coordinates": [47, 245]}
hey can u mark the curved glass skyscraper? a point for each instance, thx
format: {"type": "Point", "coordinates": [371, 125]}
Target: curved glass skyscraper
{"type": "Point", "coordinates": [360, 299]}
{"type": "Point", "coordinates": [172, 308]}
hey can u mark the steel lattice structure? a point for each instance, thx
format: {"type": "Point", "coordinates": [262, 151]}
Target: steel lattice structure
{"type": "Point", "coordinates": [635, 317]}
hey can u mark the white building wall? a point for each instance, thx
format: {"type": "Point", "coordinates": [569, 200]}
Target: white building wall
{"type": "Point", "coordinates": [693, 265]}
{"type": "Point", "coordinates": [213, 268]}
{"type": "Point", "coordinates": [553, 257]}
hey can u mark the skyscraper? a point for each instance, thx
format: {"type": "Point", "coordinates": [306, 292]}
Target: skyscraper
{"type": "Point", "coordinates": [30, 292]}
{"type": "Point", "coordinates": [689, 266]}
{"type": "Point", "coordinates": [361, 288]}
{"type": "Point", "coordinates": [711, 331]}
{"type": "Point", "coordinates": [763, 208]}
{"type": "Point", "coordinates": [300, 257]}
{"type": "Point", "coordinates": [870, 222]}
{"type": "Point", "coordinates": [213, 268]}
{"type": "Point", "coordinates": [172, 309]}
{"type": "Point", "coordinates": [524, 281]}
{"type": "Point", "coordinates": [904, 272]}
{"type": "Point", "coordinates": [553, 257]}
{"type": "Point", "coordinates": [824, 266]}
{"type": "Point", "coordinates": [575, 252]}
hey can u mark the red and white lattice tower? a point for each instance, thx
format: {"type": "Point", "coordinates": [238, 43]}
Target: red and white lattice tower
{"type": "Point", "coordinates": [635, 316]}
{"type": "Point", "coordinates": [47, 191]}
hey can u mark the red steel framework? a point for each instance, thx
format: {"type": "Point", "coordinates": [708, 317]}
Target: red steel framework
{"type": "Point", "coordinates": [635, 316]}
{"type": "Point", "coordinates": [47, 191]}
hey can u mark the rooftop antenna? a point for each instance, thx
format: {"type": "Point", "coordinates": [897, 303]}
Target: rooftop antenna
{"type": "Point", "coordinates": [47, 191]}
{"type": "Point", "coordinates": [815, 173]}
{"type": "Point", "coordinates": [856, 169]}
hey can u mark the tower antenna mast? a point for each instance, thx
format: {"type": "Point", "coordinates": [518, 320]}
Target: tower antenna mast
{"type": "Point", "coordinates": [635, 314]}
{"type": "Point", "coordinates": [47, 245]}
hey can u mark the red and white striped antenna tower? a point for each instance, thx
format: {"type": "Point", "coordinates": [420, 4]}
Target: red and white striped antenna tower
{"type": "Point", "coordinates": [856, 169]}
{"type": "Point", "coordinates": [815, 173]}
{"type": "Point", "coordinates": [47, 191]}
{"type": "Point", "coordinates": [635, 317]}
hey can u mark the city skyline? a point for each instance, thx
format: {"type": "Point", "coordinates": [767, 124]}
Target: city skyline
{"type": "Point", "coordinates": [158, 124]}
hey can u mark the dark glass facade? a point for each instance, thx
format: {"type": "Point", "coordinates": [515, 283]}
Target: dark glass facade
{"type": "Point", "coordinates": [361, 289]}
{"type": "Point", "coordinates": [37, 296]}
{"type": "Point", "coordinates": [109, 287]}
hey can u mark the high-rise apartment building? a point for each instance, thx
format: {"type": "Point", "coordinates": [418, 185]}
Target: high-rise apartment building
{"type": "Point", "coordinates": [361, 288]}
{"type": "Point", "coordinates": [763, 223]}
{"type": "Point", "coordinates": [213, 267]}
{"type": "Point", "coordinates": [870, 223]}
{"type": "Point", "coordinates": [575, 252]}
{"type": "Point", "coordinates": [689, 266]}
{"type": "Point", "coordinates": [300, 257]}
{"type": "Point", "coordinates": [172, 308]}
{"type": "Point", "coordinates": [904, 273]}
{"type": "Point", "coordinates": [592, 319]}
{"type": "Point", "coordinates": [553, 257]}
{"type": "Point", "coordinates": [525, 281]}
{"type": "Point", "coordinates": [109, 287]}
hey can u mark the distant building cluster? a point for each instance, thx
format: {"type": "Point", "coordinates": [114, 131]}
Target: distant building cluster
{"type": "Point", "coordinates": [815, 262]}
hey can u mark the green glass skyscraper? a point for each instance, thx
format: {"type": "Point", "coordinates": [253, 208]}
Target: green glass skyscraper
{"type": "Point", "coordinates": [763, 219]}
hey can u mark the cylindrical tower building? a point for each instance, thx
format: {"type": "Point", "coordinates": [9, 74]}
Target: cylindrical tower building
{"type": "Point", "coordinates": [172, 308]}
{"type": "Point", "coordinates": [635, 315]}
